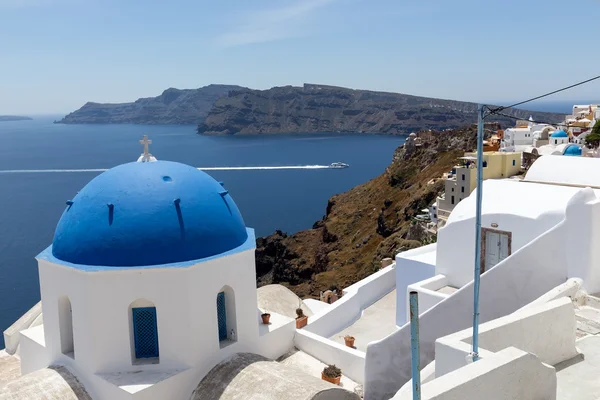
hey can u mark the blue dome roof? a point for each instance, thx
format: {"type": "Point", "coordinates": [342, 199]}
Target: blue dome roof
{"type": "Point", "coordinates": [572, 150]}
{"type": "Point", "coordinates": [559, 134]}
{"type": "Point", "coordinates": [150, 213]}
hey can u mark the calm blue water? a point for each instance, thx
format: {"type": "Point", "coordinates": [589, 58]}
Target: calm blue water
{"type": "Point", "coordinates": [290, 200]}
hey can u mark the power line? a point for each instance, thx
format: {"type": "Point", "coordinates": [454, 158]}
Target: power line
{"type": "Point", "coordinates": [494, 110]}
{"type": "Point", "coordinates": [519, 119]}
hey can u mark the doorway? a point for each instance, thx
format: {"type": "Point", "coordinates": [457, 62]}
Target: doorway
{"type": "Point", "coordinates": [495, 247]}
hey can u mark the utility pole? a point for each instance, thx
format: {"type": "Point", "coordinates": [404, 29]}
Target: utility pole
{"type": "Point", "coordinates": [477, 270]}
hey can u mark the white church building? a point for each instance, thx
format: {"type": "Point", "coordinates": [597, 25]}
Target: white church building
{"type": "Point", "coordinates": [148, 285]}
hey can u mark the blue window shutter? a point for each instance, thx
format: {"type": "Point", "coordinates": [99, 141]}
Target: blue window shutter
{"type": "Point", "coordinates": [222, 316]}
{"type": "Point", "coordinates": [145, 332]}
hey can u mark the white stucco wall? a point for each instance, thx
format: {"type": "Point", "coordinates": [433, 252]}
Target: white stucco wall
{"type": "Point", "coordinates": [516, 281]}
{"type": "Point", "coordinates": [350, 361]}
{"type": "Point", "coordinates": [185, 300]}
{"type": "Point", "coordinates": [456, 241]}
{"type": "Point", "coordinates": [506, 375]}
{"type": "Point", "coordinates": [12, 334]}
{"type": "Point", "coordinates": [33, 352]}
{"type": "Point", "coordinates": [412, 266]}
{"type": "Point", "coordinates": [356, 298]}
{"type": "Point", "coordinates": [427, 292]}
{"type": "Point", "coordinates": [583, 234]}
{"type": "Point", "coordinates": [557, 317]}
{"type": "Point", "coordinates": [526, 210]}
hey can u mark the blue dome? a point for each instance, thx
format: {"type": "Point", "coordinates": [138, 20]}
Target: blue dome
{"type": "Point", "coordinates": [559, 134]}
{"type": "Point", "coordinates": [572, 150]}
{"type": "Point", "coordinates": [152, 213]}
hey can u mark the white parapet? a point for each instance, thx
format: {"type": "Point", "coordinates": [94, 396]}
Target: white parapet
{"type": "Point", "coordinates": [508, 374]}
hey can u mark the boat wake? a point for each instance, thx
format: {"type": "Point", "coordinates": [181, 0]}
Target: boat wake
{"type": "Point", "coordinates": [35, 171]}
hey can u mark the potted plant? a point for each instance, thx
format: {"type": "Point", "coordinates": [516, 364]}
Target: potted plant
{"type": "Point", "coordinates": [332, 374]}
{"type": "Point", "coordinates": [349, 340]}
{"type": "Point", "coordinates": [266, 317]}
{"type": "Point", "coordinates": [301, 319]}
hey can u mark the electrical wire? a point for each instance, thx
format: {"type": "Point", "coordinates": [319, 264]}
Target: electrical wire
{"type": "Point", "coordinates": [521, 119]}
{"type": "Point", "coordinates": [494, 110]}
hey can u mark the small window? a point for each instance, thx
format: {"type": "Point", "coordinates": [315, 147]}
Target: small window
{"type": "Point", "coordinates": [453, 189]}
{"type": "Point", "coordinates": [434, 215]}
{"type": "Point", "coordinates": [145, 332]}
{"type": "Point", "coordinates": [485, 164]}
{"type": "Point", "coordinates": [462, 189]}
{"type": "Point", "coordinates": [514, 162]}
{"type": "Point", "coordinates": [65, 320]}
{"type": "Point", "coordinates": [463, 177]}
{"type": "Point", "coordinates": [226, 317]}
{"type": "Point", "coordinates": [452, 200]}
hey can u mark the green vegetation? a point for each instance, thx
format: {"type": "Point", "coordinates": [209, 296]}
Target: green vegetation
{"type": "Point", "coordinates": [593, 139]}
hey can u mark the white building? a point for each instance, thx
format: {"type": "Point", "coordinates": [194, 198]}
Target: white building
{"type": "Point", "coordinates": [525, 134]}
{"type": "Point", "coordinates": [536, 234]}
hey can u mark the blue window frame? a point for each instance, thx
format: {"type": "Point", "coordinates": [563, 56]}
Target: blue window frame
{"type": "Point", "coordinates": [222, 316]}
{"type": "Point", "coordinates": [145, 332]}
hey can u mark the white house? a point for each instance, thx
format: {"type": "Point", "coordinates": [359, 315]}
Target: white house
{"type": "Point", "coordinates": [524, 134]}
{"type": "Point", "coordinates": [536, 234]}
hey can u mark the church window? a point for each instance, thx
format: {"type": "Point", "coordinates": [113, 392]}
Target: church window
{"type": "Point", "coordinates": [226, 316]}
{"type": "Point", "coordinates": [452, 200]}
{"type": "Point", "coordinates": [65, 320]}
{"type": "Point", "coordinates": [144, 329]}
{"type": "Point", "coordinates": [462, 189]}
{"type": "Point", "coordinates": [514, 162]}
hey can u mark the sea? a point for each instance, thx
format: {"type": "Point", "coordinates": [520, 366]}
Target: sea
{"type": "Point", "coordinates": [269, 199]}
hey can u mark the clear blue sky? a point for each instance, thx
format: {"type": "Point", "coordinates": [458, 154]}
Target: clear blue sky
{"type": "Point", "coordinates": [57, 54]}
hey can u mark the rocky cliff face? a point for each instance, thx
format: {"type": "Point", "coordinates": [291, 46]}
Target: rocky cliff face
{"type": "Point", "coordinates": [320, 108]}
{"type": "Point", "coordinates": [173, 106]}
{"type": "Point", "coordinates": [366, 224]}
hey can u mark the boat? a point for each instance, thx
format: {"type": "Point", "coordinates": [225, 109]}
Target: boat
{"type": "Point", "coordinates": [338, 165]}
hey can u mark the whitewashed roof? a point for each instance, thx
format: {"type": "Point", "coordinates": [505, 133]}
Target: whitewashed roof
{"type": "Point", "coordinates": [247, 376]}
{"type": "Point", "coordinates": [574, 171]}
{"type": "Point", "coordinates": [516, 198]}
{"type": "Point", "coordinates": [55, 382]}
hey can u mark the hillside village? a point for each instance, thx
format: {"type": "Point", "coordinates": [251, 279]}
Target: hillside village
{"type": "Point", "coordinates": [140, 300]}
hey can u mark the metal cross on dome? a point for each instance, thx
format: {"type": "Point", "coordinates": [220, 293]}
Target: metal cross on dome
{"type": "Point", "coordinates": [145, 142]}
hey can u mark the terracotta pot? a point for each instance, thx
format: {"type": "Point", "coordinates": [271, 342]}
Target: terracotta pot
{"type": "Point", "coordinates": [335, 381]}
{"type": "Point", "coordinates": [301, 322]}
{"type": "Point", "coordinates": [349, 341]}
{"type": "Point", "coordinates": [265, 318]}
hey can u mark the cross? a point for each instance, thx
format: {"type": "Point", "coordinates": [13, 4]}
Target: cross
{"type": "Point", "coordinates": [146, 142]}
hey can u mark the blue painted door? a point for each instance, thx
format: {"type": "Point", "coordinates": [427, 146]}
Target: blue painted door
{"type": "Point", "coordinates": [145, 332]}
{"type": "Point", "coordinates": [222, 316]}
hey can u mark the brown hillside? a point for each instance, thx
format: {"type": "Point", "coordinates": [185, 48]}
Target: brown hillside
{"type": "Point", "coordinates": [369, 222]}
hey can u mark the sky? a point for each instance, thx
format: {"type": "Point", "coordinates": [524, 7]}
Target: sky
{"type": "Point", "coordinates": [55, 55]}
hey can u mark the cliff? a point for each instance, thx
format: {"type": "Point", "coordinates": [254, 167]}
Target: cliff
{"type": "Point", "coordinates": [173, 106]}
{"type": "Point", "coordinates": [366, 224]}
{"type": "Point", "coordinates": [14, 118]}
{"type": "Point", "coordinates": [320, 108]}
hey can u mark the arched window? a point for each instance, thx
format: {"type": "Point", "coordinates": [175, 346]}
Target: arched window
{"type": "Point", "coordinates": [143, 330]}
{"type": "Point", "coordinates": [65, 322]}
{"type": "Point", "coordinates": [226, 318]}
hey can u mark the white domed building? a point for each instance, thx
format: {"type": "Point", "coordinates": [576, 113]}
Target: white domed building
{"type": "Point", "coordinates": [148, 285]}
